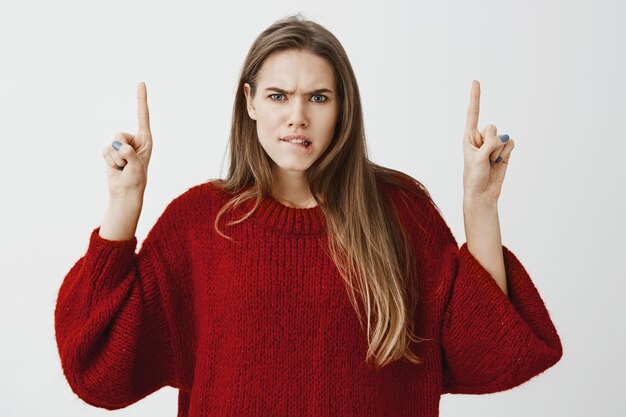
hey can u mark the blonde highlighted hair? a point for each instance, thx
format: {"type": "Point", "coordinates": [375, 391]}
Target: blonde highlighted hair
{"type": "Point", "coordinates": [365, 239]}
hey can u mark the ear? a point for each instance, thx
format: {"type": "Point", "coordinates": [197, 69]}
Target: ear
{"type": "Point", "coordinates": [249, 104]}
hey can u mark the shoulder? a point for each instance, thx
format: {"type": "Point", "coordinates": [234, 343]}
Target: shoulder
{"type": "Point", "coordinates": [185, 212]}
{"type": "Point", "coordinates": [196, 200]}
{"type": "Point", "coordinates": [415, 206]}
{"type": "Point", "coordinates": [200, 194]}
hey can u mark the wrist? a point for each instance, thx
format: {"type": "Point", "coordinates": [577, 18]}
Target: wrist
{"type": "Point", "coordinates": [126, 201]}
{"type": "Point", "coordinates": [474, 204]}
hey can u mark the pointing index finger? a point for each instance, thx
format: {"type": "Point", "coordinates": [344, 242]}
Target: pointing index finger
{"type": "Point", "coordinates": [474, 107]}
{"type": "Point", "coordinates": [143, 116]}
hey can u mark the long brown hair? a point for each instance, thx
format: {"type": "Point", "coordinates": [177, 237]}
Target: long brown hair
{"type": "Point", "coordinates": [365, 238]}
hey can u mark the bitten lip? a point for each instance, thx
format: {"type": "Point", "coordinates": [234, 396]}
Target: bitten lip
{"type": "Point", "coordinates": [304, 137]}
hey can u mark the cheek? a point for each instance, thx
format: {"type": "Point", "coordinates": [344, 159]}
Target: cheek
{"type": "Point", "coordinates": [330, 124]}
{"type": "Point", "coordinates": [268, 124]}
{"type": "Point", "coordinates": [330, 119]}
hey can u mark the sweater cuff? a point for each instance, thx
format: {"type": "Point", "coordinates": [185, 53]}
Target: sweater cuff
{"type": "Point", "coordinates": [115, 256]}
{"type": "Point", "coordinates": [522, 293]}
{"type": "Point", "coordinates": [98, 241]}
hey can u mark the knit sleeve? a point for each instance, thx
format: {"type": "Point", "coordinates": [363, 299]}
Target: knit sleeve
{"type": "Point", "coordinates": [114, 326]}
{"type": "Point", "coordinates": [492, 342]}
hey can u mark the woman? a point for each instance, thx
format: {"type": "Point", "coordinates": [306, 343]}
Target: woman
{"type": "Point", "coordinates": [310, 281]}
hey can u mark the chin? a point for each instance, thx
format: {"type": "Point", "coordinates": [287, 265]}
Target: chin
{"type": "Point", "coordinates": [292, 167]}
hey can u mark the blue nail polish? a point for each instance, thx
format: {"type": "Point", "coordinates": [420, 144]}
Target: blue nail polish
{"type": "Point", "coordinates": [499, 159]}
{"type": "Point", "coordinates": [504, 138]}
{"type": "Point", "coordinates": [117, 145]}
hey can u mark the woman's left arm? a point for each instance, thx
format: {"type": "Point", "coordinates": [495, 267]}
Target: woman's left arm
{"type": "Point", "coordinates": [491, 341]}
{"type": "Point", "coordinates": [486, 156]}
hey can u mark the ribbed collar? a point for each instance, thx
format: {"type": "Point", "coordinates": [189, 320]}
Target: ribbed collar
{"type": "Point", "coordinates": [288, 220]}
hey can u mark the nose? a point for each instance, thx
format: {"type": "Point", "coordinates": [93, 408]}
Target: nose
{"type": "Point", "coordinates": [297, 114]}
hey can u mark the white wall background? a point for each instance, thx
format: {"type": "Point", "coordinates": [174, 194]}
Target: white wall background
{"type": "Point", "coordinates": [552, 75]}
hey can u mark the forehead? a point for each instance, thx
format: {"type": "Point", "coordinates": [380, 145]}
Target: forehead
{"type": "Point", "coordinates": [293, 68]}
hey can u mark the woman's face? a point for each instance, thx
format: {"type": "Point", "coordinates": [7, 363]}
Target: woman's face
{"type": "Point", "coordinates": [295, 94]}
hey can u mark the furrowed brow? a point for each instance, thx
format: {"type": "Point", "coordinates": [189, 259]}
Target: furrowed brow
{"type": "Point", "coordinates": [281, 91]}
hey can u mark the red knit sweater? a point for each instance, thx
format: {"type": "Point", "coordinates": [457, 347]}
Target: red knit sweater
{"type": "Point", "coordinates": [265, 327]}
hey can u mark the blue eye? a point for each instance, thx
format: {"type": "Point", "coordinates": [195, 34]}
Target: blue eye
{"type": "Point", "coordinates": [316, 95]}
{"type": "Point", "coordinates": [321, 95]}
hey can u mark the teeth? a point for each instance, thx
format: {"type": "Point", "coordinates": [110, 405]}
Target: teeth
{"type": "Point", "coordinates": [297, 141]}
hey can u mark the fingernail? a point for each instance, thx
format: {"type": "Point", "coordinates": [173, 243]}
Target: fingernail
{"type": "Point", "coordinates": [498, 160]}
{"type": "Point", "coordinates": [117, 145]}
{"type": "Point", "coordinates": [504, 138]}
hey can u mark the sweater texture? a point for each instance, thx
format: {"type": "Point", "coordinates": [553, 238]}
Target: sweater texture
{"type": "Point", "coordinates": [264, 326]}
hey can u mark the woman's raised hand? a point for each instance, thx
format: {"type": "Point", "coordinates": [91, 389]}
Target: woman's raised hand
{"type": "Point", "coordinates": [486, 155]}
{"type": "Point", "coordinates": [127, 158]}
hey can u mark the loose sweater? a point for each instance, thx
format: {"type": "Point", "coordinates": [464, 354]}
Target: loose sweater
{"type": "Point", "coordinates": [263, 326]}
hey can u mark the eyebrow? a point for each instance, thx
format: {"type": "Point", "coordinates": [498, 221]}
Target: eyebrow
{"type": "Point", "coordinates": [280, 90]}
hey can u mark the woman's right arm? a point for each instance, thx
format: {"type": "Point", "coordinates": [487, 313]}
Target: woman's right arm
{"type": "Point", "coordinates": [116, 312]}
{"type": "Point", "coordinates": [115, 309]}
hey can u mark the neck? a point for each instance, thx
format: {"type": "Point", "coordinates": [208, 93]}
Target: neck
{"type": "Point", "coordinates": [292, 189]}
{"type": "Point", "coordinates": [308, 204]}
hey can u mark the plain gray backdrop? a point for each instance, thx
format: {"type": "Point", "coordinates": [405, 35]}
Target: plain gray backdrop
{"type": "Point", "coordinates": [552, 76]}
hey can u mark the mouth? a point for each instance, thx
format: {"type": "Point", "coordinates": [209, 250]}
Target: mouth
{"type": "Point", "coordinates": [300, 146]}
{"type": "Point", "coordinates": [301, 141]}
